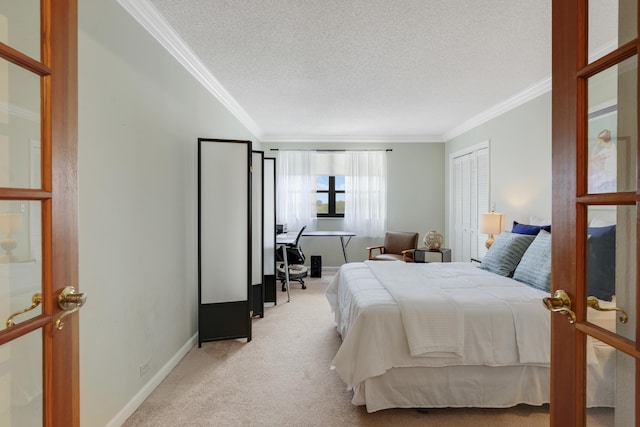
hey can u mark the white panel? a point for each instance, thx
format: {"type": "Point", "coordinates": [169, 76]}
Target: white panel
{"type": "Point", "coordinates": [470, 198]}
{"type": "Point", "coordinates": [269, 216]}
{"type": "Point", "coordinates": [465, 250]}
{"type": "Point", "coordinates": [223, 222]}
{"type": "Point", "coordinates": [257, 215]}
{"type": "Point", "coordinates": [457, 211]}
{"type": "Point", "coordinates": [482, 199]}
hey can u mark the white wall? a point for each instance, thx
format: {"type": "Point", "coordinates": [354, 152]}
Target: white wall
{"type": "Point", "coordinates": [140, 114]}
{"type": "Point", "coordinates": [520, 162]}
{"type": "Point", "coordinates": [415, 197]}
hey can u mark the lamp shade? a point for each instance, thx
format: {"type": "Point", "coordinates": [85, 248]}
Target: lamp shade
{"type": "Point", "coordinates": [492, 223]}
{"type": "Point", "coordinates": [10, 223]}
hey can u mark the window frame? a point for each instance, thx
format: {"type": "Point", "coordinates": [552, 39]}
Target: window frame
{"type": "Point", "coordinates": [331, 193]}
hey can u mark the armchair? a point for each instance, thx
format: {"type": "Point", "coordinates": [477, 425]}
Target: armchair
{"type": "Point", "coordinates": [397, 246]}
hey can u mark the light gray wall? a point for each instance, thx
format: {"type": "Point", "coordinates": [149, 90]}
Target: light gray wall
{"type": "Point", "coordinates": [415, 197]}
{"type": "Point", "coordinates": [140, 114]}
{"type": "Point", "coordinates": [520, 160]}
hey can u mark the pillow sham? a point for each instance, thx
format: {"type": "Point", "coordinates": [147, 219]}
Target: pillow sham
{"type": "Point", "coordinates": [534, 268]}
{"type": "Point", "coordinates": [534, 220]}
{"type": "Point", "coordinates": [597, 222]}
{"type": "Point", "coordinates": [601, 262]}
{"type": "Point", "coordinates": [528, 228]}
{"type": "Point", "coordinates": [505, 253]}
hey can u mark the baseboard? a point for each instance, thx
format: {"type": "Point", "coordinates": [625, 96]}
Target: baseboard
{"type": "Point", "coordinates": [154, 382]}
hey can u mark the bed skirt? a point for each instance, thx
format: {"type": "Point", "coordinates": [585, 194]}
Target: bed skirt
{"type": "Point", "coordinates": [472, 386]}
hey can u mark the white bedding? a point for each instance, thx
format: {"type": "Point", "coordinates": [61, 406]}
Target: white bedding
{"type": "Point", "coordinates": [373, 331]}
{"type": "Point", "coordinates": [492, 322]}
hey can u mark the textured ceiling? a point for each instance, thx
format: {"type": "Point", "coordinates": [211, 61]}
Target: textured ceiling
{"type": "Point", "coordinates": [358, 70]}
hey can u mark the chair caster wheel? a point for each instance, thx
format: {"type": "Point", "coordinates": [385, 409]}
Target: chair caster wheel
{"type": "Point", "coordinates": [304, 286]}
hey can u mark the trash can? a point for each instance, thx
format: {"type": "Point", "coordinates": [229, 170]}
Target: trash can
{"type": "Point", "coordinates": [316, 266]}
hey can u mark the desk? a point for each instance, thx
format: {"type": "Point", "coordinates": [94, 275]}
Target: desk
{"type": "Point", "coordinates": [290, 237]}
{"type": "Point", "coordinates": [345, 238]}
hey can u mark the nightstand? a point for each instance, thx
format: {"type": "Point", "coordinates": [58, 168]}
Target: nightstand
{"type": "Point", "coordinates": [428, 255]}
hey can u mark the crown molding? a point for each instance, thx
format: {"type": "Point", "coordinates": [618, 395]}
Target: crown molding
{"type": "Point", "coordinates": [526, 95]}
{"type": "Point", "coordinates": [151, 20]}
{"type": "Point", "coordinates": [274, 138]}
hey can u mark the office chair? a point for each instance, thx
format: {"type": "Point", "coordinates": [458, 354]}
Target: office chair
{"type": "Point", "coordinates": [295, 262]}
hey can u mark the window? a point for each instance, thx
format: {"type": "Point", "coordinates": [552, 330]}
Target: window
{"type": "Point", "coordinates": [350, 185]}
{"type": "Point", "coordinates": [330, 196]}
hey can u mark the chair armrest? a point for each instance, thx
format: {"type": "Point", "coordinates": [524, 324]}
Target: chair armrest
{"type": "Point", "coordinates": [408, 255]}
{"type": "Point", "coordinates": [372, 248]}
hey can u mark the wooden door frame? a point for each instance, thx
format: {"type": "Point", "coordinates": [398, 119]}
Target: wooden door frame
{"type": "Point", "coordinates": [63, 408]}
{"type": "Point", "coordinates": [564, 60]}
{"type": "Point", "coordinates": [58, 194]}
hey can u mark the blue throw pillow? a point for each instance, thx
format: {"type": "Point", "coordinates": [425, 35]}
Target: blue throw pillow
{"type": "Point", "coordinates": [534, 268]}
{"type": "Point", "coordinates": [504, 255]}
{"type": "Point", "coordinates": [528, 229]}
{"type": "Point", "coordinates": [601, 231]}
{"type": "Point", "coordinates": [601, 262]}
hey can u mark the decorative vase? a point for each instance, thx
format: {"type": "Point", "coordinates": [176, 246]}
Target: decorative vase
{"type": "Point", "coordinates": [433, 240]}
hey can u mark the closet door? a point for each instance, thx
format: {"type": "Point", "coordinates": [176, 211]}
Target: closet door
{"type": "Point", "coordinates": [224, 239]}
{"type": "Point", "coordinates": [469, 200]}
{"type": "Point", "coordinates": [270, 230]}
{"type": "Point", "coordinates": [257, 236]}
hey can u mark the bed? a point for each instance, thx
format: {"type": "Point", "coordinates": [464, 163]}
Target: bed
{"type": "Point", "coordinates": [450, 335]}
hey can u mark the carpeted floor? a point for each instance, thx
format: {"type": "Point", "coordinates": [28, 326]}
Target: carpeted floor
{"type": "Point", "coordinates": [282, 378]}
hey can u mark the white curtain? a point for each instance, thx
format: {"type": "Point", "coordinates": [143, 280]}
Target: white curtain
{"type": "Point", "coordinates": [366, 193]}
{"type": "Point", "coordinates": [295, 190]}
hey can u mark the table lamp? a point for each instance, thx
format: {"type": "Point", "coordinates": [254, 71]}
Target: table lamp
{"type": "Point", "coordinates": [491, 223]}
{"type": "Point", "coordinates": [10, 224]}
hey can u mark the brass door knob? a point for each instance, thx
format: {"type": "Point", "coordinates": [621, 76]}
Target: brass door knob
{"type": "Point", "coordinates": [36, 300]}
{"type": "Point", "coordinates": [592, 302]}
{"type": "Point", "coordinates": [560, 303]}
{"type": "Point", "coordinates": [70, 301]}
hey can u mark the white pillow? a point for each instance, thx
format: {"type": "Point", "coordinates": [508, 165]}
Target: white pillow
{"type": "Point", "coordinates": [597, 222]}
{"type": "Point", "coordinates": [534, 220]}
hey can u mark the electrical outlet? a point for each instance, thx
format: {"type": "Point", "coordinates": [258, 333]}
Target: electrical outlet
{"type": "Point", "coordinates": [144, 368]}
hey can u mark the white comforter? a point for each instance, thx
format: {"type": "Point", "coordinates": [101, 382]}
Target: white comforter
{"type": "Point", "coordinates": [395, 314]}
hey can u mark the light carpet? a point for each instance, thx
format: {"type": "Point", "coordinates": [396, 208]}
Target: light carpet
{"type": "Point", "coordinates": [282, 378]}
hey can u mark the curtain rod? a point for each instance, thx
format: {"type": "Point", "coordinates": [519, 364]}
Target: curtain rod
{"type": "Point", "coordinates": [312, 149]}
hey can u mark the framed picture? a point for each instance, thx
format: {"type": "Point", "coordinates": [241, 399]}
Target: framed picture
{"type": "Point", "coordinates": [605, 148]}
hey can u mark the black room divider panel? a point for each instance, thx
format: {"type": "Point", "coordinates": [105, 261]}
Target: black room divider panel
{"type": "Point", "coordinates": [257, 234]}
{"type": "Point", "coordinates": [270, 230]}
{"type": "Point", "coordinates": [224, 239]}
